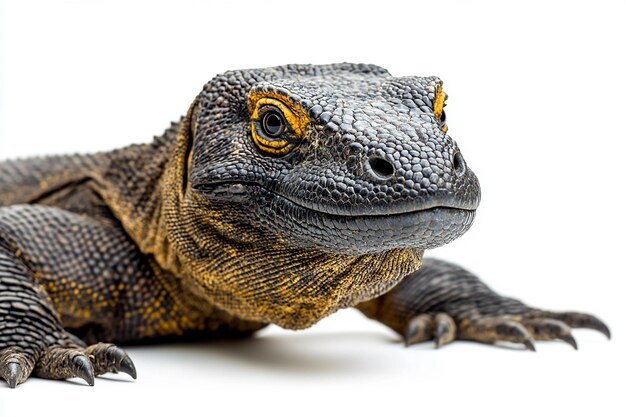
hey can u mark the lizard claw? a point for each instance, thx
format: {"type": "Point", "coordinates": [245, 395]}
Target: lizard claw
{"type": "Point", "coordinates": [12, 373]}
{"type": "Point", "coordinates": [128, 367]}
{"type": "Point", "coordinates": [586, 321]}
{"type": "Point", "coordinates": [569, 339]}
{"type": "Point", "coordinates": [530, 345]}
{"type": "Point", "coordinates": [445, 331]}
{"type": "Point", "coordinates": [84, 369]}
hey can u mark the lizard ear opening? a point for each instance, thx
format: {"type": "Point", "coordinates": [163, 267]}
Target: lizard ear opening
{"type": "Point", "coordinates": [195, 113]}
{"type": "Point", "coordinates": [188, 134]}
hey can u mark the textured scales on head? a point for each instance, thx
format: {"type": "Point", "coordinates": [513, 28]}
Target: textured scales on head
{"type": "Point", "coordinates": [328, 202]}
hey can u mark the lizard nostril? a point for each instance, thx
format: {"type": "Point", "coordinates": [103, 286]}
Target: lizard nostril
{"type": "Point", "coordinates": [459, 164]}
{"type": "Point", "coordinates": [380, 167]}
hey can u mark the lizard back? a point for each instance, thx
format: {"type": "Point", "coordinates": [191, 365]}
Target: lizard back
{"type": "Point", "coordinates": [31, 180]}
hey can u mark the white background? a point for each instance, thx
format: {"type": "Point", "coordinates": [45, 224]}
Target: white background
{"type": "Point", "coordinates": [536, 104]}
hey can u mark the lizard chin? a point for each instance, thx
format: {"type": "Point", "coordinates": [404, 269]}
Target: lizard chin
{"type": "Point", "coordinates": [264, 277]}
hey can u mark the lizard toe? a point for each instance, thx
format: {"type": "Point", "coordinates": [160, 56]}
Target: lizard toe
{"type": "Point", "coordinates": [64, 363]}
{"type": "Point", "coordinates": [445, 329]}
{"type": "Point", "coordinates": [550, 329]}
{"type": "Point", "coordinates": [15, 366]}
{"type": "Point", "coordinates": [439, 327]}
{"type": "Point", "coordinates": [497, 329]}
{"type": "Point", "coordinates": [418, 329]}
{"type": "Point", "coordinates": [577, 320]}
{"type": "Point", "coordinates": [107, 357]}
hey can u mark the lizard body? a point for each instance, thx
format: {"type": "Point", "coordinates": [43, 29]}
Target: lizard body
{"type": "Point", "coordinates": [283, 195]}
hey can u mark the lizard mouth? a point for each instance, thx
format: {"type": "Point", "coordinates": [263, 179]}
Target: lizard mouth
{"type": "Point", "coordinates": [301, 226]}
{"type": "Point", "coordinates": [241, 188]}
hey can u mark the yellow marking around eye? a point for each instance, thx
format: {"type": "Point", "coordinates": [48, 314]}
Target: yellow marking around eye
{"type": "Point", "coordinates": [273, 146]}
{"type": "Point", "coordinates": [440, 99]}
{"type": "Point", "coordinates": [294, 115]}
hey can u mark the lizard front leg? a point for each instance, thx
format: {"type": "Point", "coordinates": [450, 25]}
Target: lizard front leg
{"type": "Point", "coordinates": [70, 280]}
{"type": "Point", "coordinates": [32, 338]}
{"type": "Point", "coordinates": [444, 302]}
{"type": "Point", "coordinates": [44, 285]}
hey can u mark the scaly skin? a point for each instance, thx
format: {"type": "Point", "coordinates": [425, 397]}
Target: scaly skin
{"type": "Point", "coordinates": [283, 195]}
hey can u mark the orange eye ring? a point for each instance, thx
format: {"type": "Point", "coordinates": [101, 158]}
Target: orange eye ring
{"type": "Point", "coordinates": [440, 100]}
{"type": "Point", "coordinates": [276, 127]}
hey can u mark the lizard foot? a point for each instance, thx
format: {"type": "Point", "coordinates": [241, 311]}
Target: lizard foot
{"type": "Point", "coordinates": [522, 329]}
{"type": "Point", "coordinates": [62, 362]}
{"type": "Point", "coordinates": [444, 302]}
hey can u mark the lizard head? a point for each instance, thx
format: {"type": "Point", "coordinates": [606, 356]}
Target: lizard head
{"type": "Point", "coordinates": [295, 191]}
{"type": "Point", "coordinates": [344, 158]}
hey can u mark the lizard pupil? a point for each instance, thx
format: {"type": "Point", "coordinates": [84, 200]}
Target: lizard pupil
{"type": "Point", "coordinates": [273, 124]}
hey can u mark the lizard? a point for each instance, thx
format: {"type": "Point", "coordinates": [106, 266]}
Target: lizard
{"type": "Point", "coordinates": [283, 195]}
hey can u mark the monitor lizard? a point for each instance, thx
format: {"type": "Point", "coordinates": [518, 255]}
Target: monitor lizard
{"type": "Point", "coordinates": [283, 195]}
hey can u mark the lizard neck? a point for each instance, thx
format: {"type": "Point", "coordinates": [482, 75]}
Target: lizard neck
{"type": "Point", "coordinates": [133, 187]}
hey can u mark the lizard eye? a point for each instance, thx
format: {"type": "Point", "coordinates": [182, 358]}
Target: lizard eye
{"type": "Point", "coordinates": [271, 131]}
{"type": "Point", "coordinates": [273, 123]}
{"type": "Point", "coordinates": [276, 128]}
